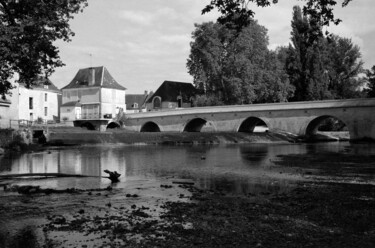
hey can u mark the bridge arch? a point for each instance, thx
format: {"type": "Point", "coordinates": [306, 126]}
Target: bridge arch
{"type": "Point", "coordinates": [195, 125]}
{"type": "Point", "coordinates": [88, 125]}
{"type": "Point", "coordinates": [113, 125]}
{"type": "Point", "coordinates": [150, 126]}
{"type": "Point", "coordinates": [325, 123]}
{"type": "Point", "coordinates": [249, 125]}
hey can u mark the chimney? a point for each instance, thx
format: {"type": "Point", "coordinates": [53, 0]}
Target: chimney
{"type": "Point", "coordinates": [146, 92]}
{"type": "Point", "coordinates": [92, 76]}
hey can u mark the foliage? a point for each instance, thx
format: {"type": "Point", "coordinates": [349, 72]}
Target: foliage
{"type": "Point", "coordinates": [328, 68]}
{"type": "Point", "coordinates": [236, 68]}
{"type": "Point", "coordinates": [28, 29]}
{"type": "Point", "coordinates": [207, 100]}
{"type": "Point", "coordinates": [371, 82]}
{"type": "Point", "coordinates": [237, 13]}
{"type": "Point", "coordinates": [344, 67]}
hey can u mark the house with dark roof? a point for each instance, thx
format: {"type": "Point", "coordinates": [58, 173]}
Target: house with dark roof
{"type": "Point", "coordinates": [136, 103]}
{"type": "Point", "coordinates": [93, 94]}
{"type": "Point", "coordinates": [172, 95]}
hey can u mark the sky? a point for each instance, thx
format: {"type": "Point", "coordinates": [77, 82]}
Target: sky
{"type": "Point", "coordinates": [143, 43]}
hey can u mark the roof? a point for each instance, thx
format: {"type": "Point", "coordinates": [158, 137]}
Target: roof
{"type": "Point", "coordinates": [40, 83]}
{"type": "Point", "coordinates": [102, 79]}
{"type": "Point", "coordinates": [170, 90]}
{"type": "Point", "coordinates": [135, 98]}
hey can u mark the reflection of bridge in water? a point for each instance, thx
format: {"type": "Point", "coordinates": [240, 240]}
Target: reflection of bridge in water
{"type": "Point", "coordinates": [299, 118]}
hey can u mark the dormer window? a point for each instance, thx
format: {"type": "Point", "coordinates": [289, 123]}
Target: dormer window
{"type": "Point", "coordinates": [46, 86]}
{"type": "Point", "coordinates": [135, 105]}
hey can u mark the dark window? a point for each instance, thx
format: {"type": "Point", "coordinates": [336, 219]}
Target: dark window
{"type": "Point", "coordinates": [31, 103]}
{"type": "Point", "coordinates": [45, 111]}
{"type": "Point", "coordinates": [157, 102]}
{"type": "Point", "coordinates": [45, 97]}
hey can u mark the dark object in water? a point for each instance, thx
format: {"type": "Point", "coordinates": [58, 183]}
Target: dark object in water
{"type": "Point", "coordinates": [113, 176]}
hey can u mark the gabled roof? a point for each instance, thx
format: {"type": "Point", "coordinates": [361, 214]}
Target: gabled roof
{"type": "Point", "coordinates": [135, 98]}
{"type": "Point", "coordinates": [170, 90]}
{"type": "Point", "coordinates": [102, 78]}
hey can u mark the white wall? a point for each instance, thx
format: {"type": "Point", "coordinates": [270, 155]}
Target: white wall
{"type": "Point", "coordinates": [40, 102]}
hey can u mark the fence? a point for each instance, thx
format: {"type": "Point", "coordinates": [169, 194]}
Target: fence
{"type": "Point", "coordinates": [19, 124]}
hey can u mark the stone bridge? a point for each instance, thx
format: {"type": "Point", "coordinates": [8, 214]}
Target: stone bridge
{"type": "Point", "coordinates": [299, 118]}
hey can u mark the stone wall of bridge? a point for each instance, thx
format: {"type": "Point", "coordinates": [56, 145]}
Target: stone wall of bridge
{"type": "Point", "coordinates": [298, 118]}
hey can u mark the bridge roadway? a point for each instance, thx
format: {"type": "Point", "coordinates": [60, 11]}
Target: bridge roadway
{"type": "Point", "coordinates": [299, 118]}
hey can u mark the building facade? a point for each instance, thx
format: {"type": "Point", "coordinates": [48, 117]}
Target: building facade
{"type": "Point", "coordinates": [93, 94]}
{"type": "Point", "coordinates": [37, 104]}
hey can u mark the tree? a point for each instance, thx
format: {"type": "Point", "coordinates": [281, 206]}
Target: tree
{"type": "Point", "coordinates": [236, 67]}
{"type": "Point", "coordinates": [328, 68]}
{"type": "Point", "coordinates": [344, 67]}
{"type": "Point", "coordinates": [371, 82]}
{"type": "Point", "coordinates": [28, 29]}
{"type": "Point", "coordinates": [236, 13]}
{"type": "Point", "coordinates": [306, 59]}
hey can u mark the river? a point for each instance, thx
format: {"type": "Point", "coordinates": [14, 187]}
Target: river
{"type": "Point", "coordinates": [237, 169]}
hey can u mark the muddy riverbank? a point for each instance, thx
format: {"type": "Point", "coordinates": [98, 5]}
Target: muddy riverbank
{"type": "Point", "coordinates": [332, 205]}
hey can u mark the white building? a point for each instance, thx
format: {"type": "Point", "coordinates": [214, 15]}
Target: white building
{"type": "Point", "coordinates": [93, 94]}
{"type": "Point", "coordinates": [39, 103]}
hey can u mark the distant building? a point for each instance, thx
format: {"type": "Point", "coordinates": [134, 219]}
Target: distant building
{"type": "Point", "coordinates": [93, 94]}
{"type": "Point", "coordinates": [136, 103]}
{"type": "Point", "coordinates": [39, 103]}
{"type": "Point", "coordinates": [171, 95]}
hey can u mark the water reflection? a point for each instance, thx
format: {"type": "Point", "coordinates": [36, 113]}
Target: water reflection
{"type": "Point", "coordinates": [232, 168]}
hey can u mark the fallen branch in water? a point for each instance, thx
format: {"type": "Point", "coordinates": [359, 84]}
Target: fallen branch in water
{"type": "Point", "coordinates": [41, 175]}
{"type": "Point", "coordinates": [113, 176]}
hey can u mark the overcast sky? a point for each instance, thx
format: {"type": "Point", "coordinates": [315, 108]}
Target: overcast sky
{"type": "Point", "coordinates": [143, 42]}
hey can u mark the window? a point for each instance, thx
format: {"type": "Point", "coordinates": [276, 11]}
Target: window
{"type": "Point", "coordinates": [31, 103]}
{"type": "Point", "coordinates": [45, 97]}
{"type": "Point", "coordinates": [157, 102]}
{"type": "Point", "coordinates": [179, 102]}
{"type": "Point", "coordinates": [135, 105]}
{"type": "Point", "coordinates": [46, 86]}
{"type": "Point", "coordinates": [45, 111]}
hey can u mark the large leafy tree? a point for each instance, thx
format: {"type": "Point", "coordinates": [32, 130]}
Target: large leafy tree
{"type": "Point", "coordinates": [236, 67]}
{"type": "Point", "coordinates": [28, 29]}
{"type": "Point", "coordinates": [344, 66]}
{"type": "Point", "coordinates": [327, 68]}
{"type": "Point", "coordinates": [306, 59]}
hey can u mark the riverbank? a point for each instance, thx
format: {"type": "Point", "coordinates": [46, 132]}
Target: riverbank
{"type": "Point", "coordinates": [331, 206]}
